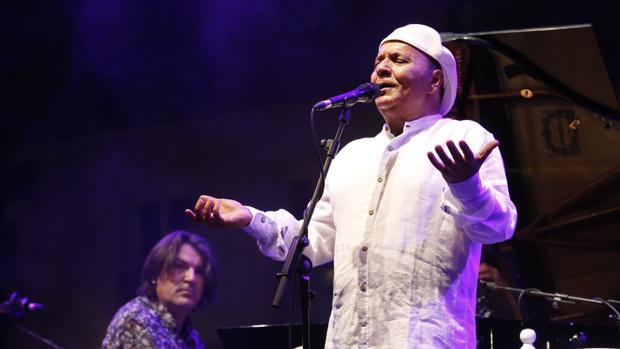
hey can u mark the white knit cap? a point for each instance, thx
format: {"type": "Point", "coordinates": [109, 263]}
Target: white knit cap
{"type": "Point", "coordinates": [427, 40]}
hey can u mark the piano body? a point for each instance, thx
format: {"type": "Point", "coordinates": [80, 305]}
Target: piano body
{"type": "Point", "coordinates": [546, 95]}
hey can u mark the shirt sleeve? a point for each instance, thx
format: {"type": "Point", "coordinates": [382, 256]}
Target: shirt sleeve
{"type": "Point", "coordinates": [274, 231]}
{"type": "Point", "coordinates": [481, 205]}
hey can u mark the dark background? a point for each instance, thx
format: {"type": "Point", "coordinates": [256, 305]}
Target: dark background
{"type": "Point", "coordinates": [117, 114]}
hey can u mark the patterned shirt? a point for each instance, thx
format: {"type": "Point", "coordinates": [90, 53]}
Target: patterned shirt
{"type": "Point", "coordinates": [142, 323]}
{"type": "Point", "coordinates": [405, 244]}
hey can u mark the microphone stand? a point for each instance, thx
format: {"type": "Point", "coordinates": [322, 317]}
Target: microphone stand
{"type": "Point", "coordinates": [559, 297]}
{"type": "Point", "coordinates": [295, 261]}
{"type": "Point", "coordinates": [17, 307]}
{"type": "Point", "coordinates": [38, 337]}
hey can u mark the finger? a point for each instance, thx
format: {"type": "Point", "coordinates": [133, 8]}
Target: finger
{"type": "Point", "coordinates": [206, 212]}
{"type": "Point", "coordinates": [487, 149]}
{"type": "Point", "coordinates": [447, 162]}
{"type": "Point", "coordinates": [217, 218]}
{"type": "Point", "coordinates": [200, 203]}
{"type": "Point", "coordinates": [469, 155]}
{"type": "Point", "coordinates": [456, 154]}
{"type": "Point", "coordinates": [190, 214]}
{"type": "Point", "coordinates": [438, 165]}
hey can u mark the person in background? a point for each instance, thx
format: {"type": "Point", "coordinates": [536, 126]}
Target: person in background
{"type": "Point", "coordinates": [178, 275]}
{"type": "Point", "coordinates": [497, 267]}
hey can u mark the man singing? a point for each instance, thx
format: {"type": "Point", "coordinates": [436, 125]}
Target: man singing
{"type": "Point", "coordinates": [404, 214]}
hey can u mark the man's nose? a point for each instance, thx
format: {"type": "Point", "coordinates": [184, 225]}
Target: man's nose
{"type": "Point", "coordinates": [383, 69]}
{"type": "Point", "coordinates": [190, 274]}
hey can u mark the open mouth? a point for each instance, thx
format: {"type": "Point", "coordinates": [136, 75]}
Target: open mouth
{"type": "Point", "coordinates": [386, 85]}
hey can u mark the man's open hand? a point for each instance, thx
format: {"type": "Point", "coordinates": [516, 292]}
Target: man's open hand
{"type": "Point", "coordinates": [462, 165]}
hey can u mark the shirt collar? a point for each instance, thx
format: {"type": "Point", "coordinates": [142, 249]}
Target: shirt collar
{"type": "Point", "coordinates": [413, 126]}
{"type": "Point", "coordinates": [166, 317]}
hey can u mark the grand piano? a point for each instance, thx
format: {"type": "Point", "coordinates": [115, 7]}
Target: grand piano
{"type": "Point", "coordinates": [546, 96]}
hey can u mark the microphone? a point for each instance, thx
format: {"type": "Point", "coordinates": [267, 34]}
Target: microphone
{"type": "Point", "coordinates": [364, 93]}
{"type": "Point", "coordinates": [17, 306]}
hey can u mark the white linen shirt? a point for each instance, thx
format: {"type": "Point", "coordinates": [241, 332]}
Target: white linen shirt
{"type": "Point", "coordinates": [405, 244]}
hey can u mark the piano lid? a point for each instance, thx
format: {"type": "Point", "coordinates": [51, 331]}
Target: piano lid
{"type": "Point", "coordinates": [567, 58]}
{"type": "Point", "coordinates": [545, 94]}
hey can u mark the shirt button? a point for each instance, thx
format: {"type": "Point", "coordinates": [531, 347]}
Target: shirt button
{"type": "Point", "coordinates": [390, 148]}
{"type": "Point", "coordinates": [380, 180]}
{"type": "Point", "coordinates": [364, 323]}
{"type": "Point", "coordinates": [363, 286]}
{"type": "Point", "coordinates": [262, 219]}
{"type": "Point", "coordinates": [364, 248]}
{"type": "Point", "coordinates": [371, 212]}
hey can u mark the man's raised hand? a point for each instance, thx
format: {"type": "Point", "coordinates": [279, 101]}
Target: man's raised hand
{"type": "Point", "coordinates": [220, 212]}
{"type": "Point", "coordinates": [462, 165]}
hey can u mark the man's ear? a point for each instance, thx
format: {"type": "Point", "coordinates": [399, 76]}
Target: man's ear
{"type": "Point", "coordinates": [437, 81]}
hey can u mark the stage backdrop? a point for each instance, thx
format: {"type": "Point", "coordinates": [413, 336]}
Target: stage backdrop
{"type": "Point", "coordinates": [117, 114]}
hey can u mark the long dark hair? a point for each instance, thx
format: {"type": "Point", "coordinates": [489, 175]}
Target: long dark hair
{"type": "Point", "coordinates": [161, 259]}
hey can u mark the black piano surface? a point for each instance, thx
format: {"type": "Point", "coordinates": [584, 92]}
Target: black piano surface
{"type": "Point", "coordinates": [491, 334]}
